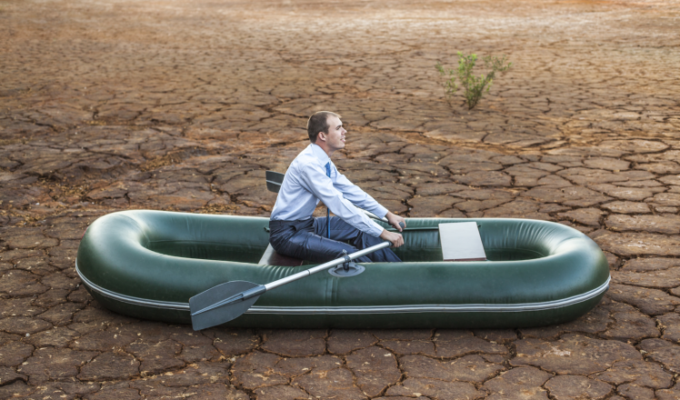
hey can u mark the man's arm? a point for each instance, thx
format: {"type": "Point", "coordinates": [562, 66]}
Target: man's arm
{"type": "Point", "coordinates": [358, 197]}
{"type": "Point", "coordinates": [361, 199]}
{"type": "Point", "coordinates": [314, 179]}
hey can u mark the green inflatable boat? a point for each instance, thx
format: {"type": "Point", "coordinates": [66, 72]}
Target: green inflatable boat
{"type": "Point", "coordinates": [147, 264]}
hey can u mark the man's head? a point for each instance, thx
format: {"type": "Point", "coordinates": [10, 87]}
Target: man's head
{"type": "Point", "coordinates": [325, 129]}
{"type": "Point", "coordinates": [318, 122]}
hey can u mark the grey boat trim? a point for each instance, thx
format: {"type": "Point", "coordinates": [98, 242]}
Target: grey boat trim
{"type": "Point", "coordinates": [401, 309]}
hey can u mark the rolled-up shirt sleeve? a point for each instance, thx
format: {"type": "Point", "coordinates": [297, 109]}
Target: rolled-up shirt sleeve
{"type": "Point", "coordinates": [314, 179]}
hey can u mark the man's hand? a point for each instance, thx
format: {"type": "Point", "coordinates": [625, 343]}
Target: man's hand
{"type": "Point", "coordinates": [394, 220]}
{"type": "Point", "coordinates": [394, 237]}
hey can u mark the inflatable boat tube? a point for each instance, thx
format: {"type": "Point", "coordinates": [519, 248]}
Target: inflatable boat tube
{"type": "Point", "coordinates": [147, 264]}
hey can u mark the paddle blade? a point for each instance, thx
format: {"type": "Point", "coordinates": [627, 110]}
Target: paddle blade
{"type": "Point", "coordinates": [274, 181]}
{"type": "Point", "coordinates": [222, 314]}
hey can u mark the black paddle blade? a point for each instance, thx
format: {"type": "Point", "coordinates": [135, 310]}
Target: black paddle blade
{"type": "Point", "coordinates": [274, 181]}
{"type": "Point", "coordinates": [222, 314]}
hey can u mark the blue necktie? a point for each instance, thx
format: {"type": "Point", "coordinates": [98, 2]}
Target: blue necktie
{"type": "Point", "coordinates": [328, 211]}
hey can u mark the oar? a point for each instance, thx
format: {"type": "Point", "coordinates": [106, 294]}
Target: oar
{"type": "Point", "coordinates": [227, 301]}
{"type": "Point", "coordinates": [275, 180]}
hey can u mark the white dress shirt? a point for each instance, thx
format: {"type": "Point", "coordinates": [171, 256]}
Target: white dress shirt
{"type": "Point", "coordinates": [306, 183]}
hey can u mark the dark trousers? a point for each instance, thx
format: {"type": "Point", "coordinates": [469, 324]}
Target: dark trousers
{"type": "Point", "coordinates": [308, 240]}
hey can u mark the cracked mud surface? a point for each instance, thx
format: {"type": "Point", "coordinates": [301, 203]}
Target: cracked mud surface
{"type": "Point", "coordinates": [173, 105]}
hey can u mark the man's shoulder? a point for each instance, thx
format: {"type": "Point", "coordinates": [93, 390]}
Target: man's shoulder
{"type": "Point", "coordinates": [305, 157]}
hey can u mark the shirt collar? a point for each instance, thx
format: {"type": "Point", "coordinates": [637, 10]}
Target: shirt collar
{"type": "Point", "coordinates": [320, 154]}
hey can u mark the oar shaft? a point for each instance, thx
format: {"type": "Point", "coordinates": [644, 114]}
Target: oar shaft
{"type": "Point", "coordinates": [324, 266]}
{"type": "Point", "coordinates": [261, 289]}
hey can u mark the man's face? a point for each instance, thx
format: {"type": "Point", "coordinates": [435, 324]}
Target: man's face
{"type": "Point", "coordinates": [335, 138]}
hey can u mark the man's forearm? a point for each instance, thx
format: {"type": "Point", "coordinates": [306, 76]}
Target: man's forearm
{"type": "Point", "coordinates": [360, 198]}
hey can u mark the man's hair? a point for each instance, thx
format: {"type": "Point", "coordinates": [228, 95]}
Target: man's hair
{"type": "Point", "coordinates": [318, 122]}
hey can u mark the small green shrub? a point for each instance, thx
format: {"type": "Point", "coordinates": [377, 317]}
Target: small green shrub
{"type": "Point", "coordinates": [474, 85]}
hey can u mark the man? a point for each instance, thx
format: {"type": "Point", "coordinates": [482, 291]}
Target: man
{"type": "Point", "coordinates": [312, 177]}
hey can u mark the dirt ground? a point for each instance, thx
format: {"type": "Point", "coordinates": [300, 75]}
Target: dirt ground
{"type": "Point", "coordinates": [182, 105]}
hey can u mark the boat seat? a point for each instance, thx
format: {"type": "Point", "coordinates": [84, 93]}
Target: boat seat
{"type": "Point", "coordinates": [271, 257]}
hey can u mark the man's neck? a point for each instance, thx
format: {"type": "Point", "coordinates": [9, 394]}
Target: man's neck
{"type": "Point", "coordinates": [329, 152]}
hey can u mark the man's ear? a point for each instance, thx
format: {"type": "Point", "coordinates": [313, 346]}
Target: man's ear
{"type": "Point", "coordinates": [322, 136]}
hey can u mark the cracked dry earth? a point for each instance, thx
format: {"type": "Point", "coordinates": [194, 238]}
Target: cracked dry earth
{"type": "Point", "coordinates": [114, 104]}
